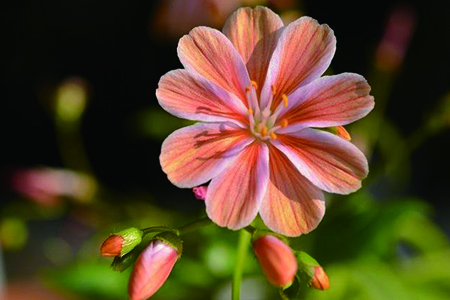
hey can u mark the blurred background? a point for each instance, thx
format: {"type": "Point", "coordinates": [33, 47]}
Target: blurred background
{"type": "Point", "coordinates": [82, 131]}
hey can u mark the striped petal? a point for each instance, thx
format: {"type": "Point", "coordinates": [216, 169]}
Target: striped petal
{"type": "Point", "coordinates": [292, 205]}
{"type": "Point", "coordinates": [193, 155]}
{"type": "Point", "coordinates": [211, 54]}
{"type": "Point", "coordinates": [303, 53]}
{"type": "Point", "coordinates": [329, 101]}
{"type": "Point", "coordinates": [234, 197]}
{"type": "Point", "coordinates": [254, 32]}
{"type": "Point", "coordinates": [328, 161]}
{"type": "Point", "coordinates": [189, 96]}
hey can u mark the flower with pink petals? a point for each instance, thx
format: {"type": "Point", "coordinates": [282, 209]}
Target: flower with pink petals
{"type": "Point", "coordinates": [151, 269]}
{"type": "Point", "coordinates": [257, 90]}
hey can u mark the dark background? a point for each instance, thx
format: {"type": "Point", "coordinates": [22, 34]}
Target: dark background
{"type": "Point", "coordinates": [109, 44]}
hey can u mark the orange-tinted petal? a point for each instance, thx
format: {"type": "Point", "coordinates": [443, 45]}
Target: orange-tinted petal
{"type": "Point", "coordinates": [303, 53]}
{"type": "Point", "coordinates": [211, 54]}
{"type": "Point", "coordinates": [234, 197]}
{"type": "Point", "coordinates": [328, 161]}
{"type": "Point", "coordinates": [193, 155]}
{"type": "Point", "coordinates": [292, 204]}
{"type": "Point", "coordinates": [276, 259]}
{"type": "Point", "coordinates": [254, 32]}
{"type": "Point", "coordinates": [187, 95]}
{"type": "Point", "coordinates": [151, 270]}
{"type": "Point", "coordinates": [329, 101]}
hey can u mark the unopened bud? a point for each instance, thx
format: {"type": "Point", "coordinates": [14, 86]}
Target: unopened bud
{"type": "Point", "coordinates": [153, 266]}
{"type": "Point", "coordinates": [320, 279]}
{"type": "Point", "coordinates": [277, 260]}
{"type": "Point", "coordinates": [122, 242]}
{"type": "Point", "coordinates": [200, 192]}
{"type": "Point", "coordinates": [340, 131]}
{"type": "Point", "coordinates": [311, 271]}
{"type": "Point", "coordinates": [112, 246]}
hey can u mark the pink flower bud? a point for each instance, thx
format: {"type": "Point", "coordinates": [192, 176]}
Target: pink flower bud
{"type": "Point", "coordinates": [200, 192]}
{"type": "Point", "coordinates": [151, 269]}
{"type": "Point", "coordinates": [276, 259]}
{"type": "Point", "coordinates": [320, 279]}
{"type": "Point", "coordinates": [112, 246]}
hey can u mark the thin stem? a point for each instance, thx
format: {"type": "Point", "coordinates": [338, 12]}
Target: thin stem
{"type": "Point", "coordinates": [194, 225]}
{"type": "Point", "coordinates": [157, 229]}
{"type": "Point", "coordinates": [244, 241]}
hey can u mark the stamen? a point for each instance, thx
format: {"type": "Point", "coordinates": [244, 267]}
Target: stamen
{"type": "Point", "coordinates": [250, 111]}
{"type": "Point", "coordinates": [285, 100]}
{"type": "Point", "coordinates": [251, 96]}
{"type": "Point", "coordinates": [284, 123]}
{"type": "Point", "coordinates": [273, 135]}
{"type": "Point", "coordinates": [264, 131]}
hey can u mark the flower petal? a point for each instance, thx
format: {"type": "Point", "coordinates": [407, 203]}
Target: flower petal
{"type": "Point", "coordinates": [209, 53]}
{"type": "Point", "coordinates": [292, 205]}
{"type": "Point", "coordinates": [303, 53]}
{"type": "Point", "coordinates": [254, 32]}
{"type": "Point", "coordinates": [328, 161]}
{"type": "Point", "coordinates": [234, 197]}
{"type": "Point", "coordinates": [193, 155]}
{"type": "Point", "coordinates": [329, 101]}
{"type": "Point", "coordinates": [189, 96]}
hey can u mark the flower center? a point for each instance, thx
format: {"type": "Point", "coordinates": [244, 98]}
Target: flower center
{"type": "Point", "coordinates": [263, 122]}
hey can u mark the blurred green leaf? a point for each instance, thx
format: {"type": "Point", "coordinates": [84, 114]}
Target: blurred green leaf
{"type": "Point", "coordinates": [92, 279]}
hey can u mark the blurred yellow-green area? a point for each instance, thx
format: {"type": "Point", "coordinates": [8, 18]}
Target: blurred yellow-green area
{"type": "Point", "coordinates": [82, 131]}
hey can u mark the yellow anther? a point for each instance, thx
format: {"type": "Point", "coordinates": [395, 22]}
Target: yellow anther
{"type": "Point", "coordinates": [264, 131]}
{"type": "Point", "coordinates": [274, 89]}
{"type": "Point", "coordinates": [285, 100]}
{"type": "Point", "coordinates": [284, 123]}
{"type": "Point", "coordinates": [273, 135]}
{"type": "Point", "coordinates": [250, 111]}
{"type": "Point", "coordinates": [254, 84]}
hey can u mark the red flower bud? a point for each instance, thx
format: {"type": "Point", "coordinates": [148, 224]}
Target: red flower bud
{"type": "Point", "coordinates": [112, 246]}
{"type": "Point", "coordinates": [276, 259]}
{"type": "Point", "coordinates": [200, 192]}
{"type": "Point", "coordinates": [122, 242]}
{"type": "Point", "coordinates": [151, 269]}
{"type": "Point", "coordinates": [320, 279]}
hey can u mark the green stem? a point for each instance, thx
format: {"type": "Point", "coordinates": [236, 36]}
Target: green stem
{"type": "Point", "coordinates": [157, 229]}
{"type": "Point", "coordinates": [194, 225]}
{"type": "Point", "coordinates": [244, 241]}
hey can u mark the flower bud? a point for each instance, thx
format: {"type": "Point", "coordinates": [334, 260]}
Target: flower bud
{"type": "Point", "coordinates": [200, 192]}
{"type": "Point", "coordinates": [122, 242]}
{"type": "Point", "coordinates": [112, 246]}
{"type": "Point", "coordinates": [153, 266]}
{"type": "Point", "coordinates": [312, 272]}
{"type": "Point", "coordinates": [320, 279]}
{"type": "Point", "coordinates": [276, 259]}
{"type": "Point", "coordinates": [340, 131]}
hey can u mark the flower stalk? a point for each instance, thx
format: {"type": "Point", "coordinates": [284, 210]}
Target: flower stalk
{"type": "Point", "coordinates": [242, 249]}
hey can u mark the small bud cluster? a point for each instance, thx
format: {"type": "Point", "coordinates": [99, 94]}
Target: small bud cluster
{"type": "Point", "coordinates": [152, 266]}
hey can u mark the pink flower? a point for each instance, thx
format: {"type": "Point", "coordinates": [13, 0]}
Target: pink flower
{"type": "Point", "coordinates": [176, 17]}
{"type": "Point", "coordinates": [276, 259]}
{"type": "Point", "coordinates": [46, 186]}
{"type": "Point", "coordinates": [200, 192]}
{"type": "Point", "coordinates": [257, 92]}
{"type": "Point", "coordinates": [151, 270]}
